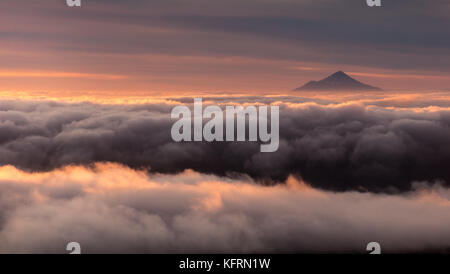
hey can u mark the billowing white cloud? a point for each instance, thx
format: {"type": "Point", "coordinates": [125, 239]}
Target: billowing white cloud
{"type": "Point", "coordinates": [113, 209]}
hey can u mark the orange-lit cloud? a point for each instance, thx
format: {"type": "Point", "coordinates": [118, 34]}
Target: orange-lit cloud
{"type": "Point", "coordinates": [113, 209]}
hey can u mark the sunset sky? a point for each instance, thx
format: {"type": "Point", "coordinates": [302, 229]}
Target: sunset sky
{"type": "Point", "coordinates": [87, 152]}
{"type": "Point", "coordinates": [172, 47]}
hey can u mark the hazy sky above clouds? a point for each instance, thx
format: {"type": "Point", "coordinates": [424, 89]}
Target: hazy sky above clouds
{"type": "Point", "coordinates": [177, 46]}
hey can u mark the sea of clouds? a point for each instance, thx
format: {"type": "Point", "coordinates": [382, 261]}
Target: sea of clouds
{"type": "Point", "coordinates": [111, 178]}
{"type": "Point", "coordinates": [338, 147]}
{"type": "Point", "coordinates": [110, 208]}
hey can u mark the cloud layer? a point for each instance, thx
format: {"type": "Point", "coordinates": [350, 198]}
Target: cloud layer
{"type": "Point", "coordinates": [113, 209]}
{"type": "Point", "coordinates": [335, 147]}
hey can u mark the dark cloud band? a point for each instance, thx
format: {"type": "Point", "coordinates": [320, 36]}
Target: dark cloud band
{"type": "Point", "coordinates": [331, 147]}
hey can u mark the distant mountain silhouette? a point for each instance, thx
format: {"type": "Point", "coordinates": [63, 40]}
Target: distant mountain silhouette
{"type": "Point", "coordinates": [337, 81]}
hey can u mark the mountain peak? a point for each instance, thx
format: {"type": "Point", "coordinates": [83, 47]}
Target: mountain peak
{"type": "Point", "coordinates": [340, 74]}
{"type": "Point", "coordinates": [337, 81]}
